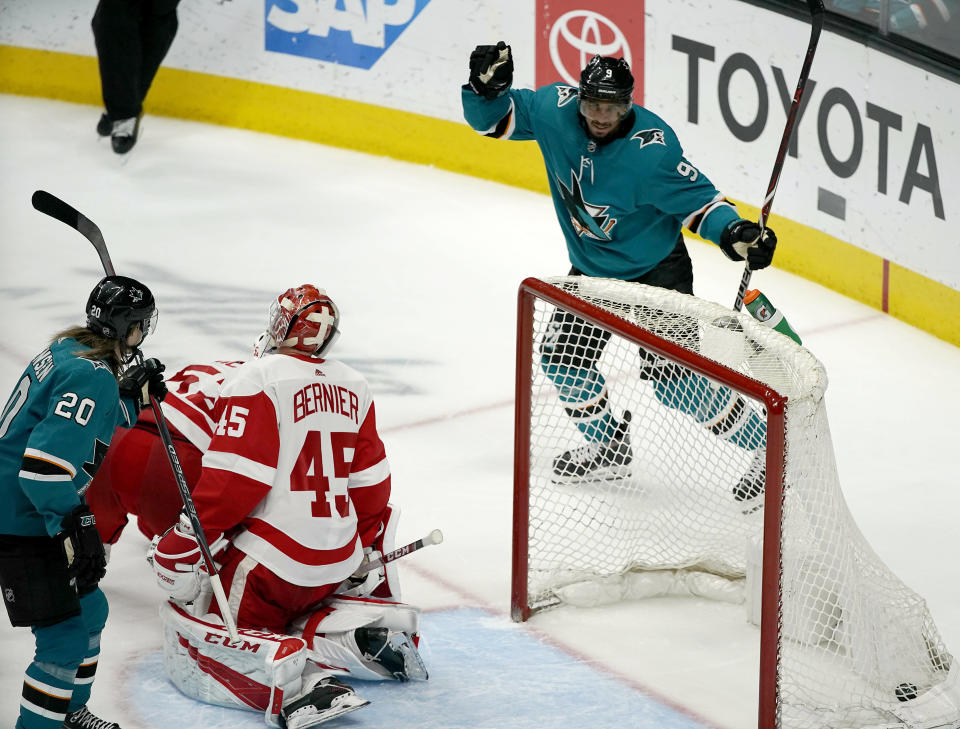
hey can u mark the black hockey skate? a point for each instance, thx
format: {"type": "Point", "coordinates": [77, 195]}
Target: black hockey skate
{"type": "Point", "coordinates": [597, 461]}
{"type": "Point", "coordinates": [83, 719]}
{"type": "Point", "coordinates": [320, 701]}
{"type": "Point", "coordinates": [750, 489]}
{"type": "Point", "coordinates": [123, 134]}
{"type": "Point", "coordinates": [393, 650]}
{"type": "Point", "coordinates": [104, 125]}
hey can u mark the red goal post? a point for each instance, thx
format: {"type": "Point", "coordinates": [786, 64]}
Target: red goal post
{"type": "Point", "coordinates": [832, 647]}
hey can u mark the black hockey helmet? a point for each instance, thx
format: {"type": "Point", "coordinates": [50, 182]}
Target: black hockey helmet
{"type": "Point", "coordinates": [116, 304]}
{"type": "Point", "coordinates": [607, 79]}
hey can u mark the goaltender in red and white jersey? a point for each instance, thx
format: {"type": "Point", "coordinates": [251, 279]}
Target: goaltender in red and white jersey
{"type": "Point", "coordinates": [296, 481]}
{"type": "Point", "coordinates": [296, 463]}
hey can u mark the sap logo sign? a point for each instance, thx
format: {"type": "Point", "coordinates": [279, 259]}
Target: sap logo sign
{"type": "Point", "coordinates": [348, 32]}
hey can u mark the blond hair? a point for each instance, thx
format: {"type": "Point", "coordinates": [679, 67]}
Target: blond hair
{"type": "Point", "coordinates": [101, 348]}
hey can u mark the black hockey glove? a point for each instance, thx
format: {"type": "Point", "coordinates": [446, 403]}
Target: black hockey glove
{"type": "Point", "coordinates": [741, 240]}
{"type": "Point", "coordinates": [140, 381]}
{"type": "Point", "coordinates": [86, 560]}
{"type": "Point", "coordinates": [491, 70]}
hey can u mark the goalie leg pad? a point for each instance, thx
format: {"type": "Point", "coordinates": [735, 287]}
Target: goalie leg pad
{"type": "Point", "coordinates": [365, 638]}
{"type": "Point", "coordinates": [258, 672]}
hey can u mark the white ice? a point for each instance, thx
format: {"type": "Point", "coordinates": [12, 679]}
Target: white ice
{"type": "Point", "coordinates": [425, 266]}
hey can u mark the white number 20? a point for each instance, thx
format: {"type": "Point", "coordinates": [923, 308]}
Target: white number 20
{"type": "Point", "coordinates": [65, 408]}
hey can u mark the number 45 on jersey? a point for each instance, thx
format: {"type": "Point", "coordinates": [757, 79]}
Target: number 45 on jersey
{"type": "Point", "coordinates": [322, 466]}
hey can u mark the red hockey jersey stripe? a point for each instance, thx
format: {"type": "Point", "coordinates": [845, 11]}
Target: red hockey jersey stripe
{"type": "Point", "coordinates": [296, 551]}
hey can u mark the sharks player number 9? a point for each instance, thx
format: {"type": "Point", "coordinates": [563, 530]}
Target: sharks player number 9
{"type": "Point", "coordinates": [622, 191]}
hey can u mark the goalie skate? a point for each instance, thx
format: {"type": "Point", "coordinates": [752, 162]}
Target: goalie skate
{"type": "Point", "coordinates": [322, 701]}
{"type": "Point", "coordinates": [393, 650]}
{"type": "Point", "coordinates": [750, 489]}
{"type": "Point", "coordinates": [608, 461]}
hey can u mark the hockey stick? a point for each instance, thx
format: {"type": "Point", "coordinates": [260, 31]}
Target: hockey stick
{"type": "Point", "coordinates": [57, 208]}
{"type": "Point", "coordinates": [816, 25]}
{"type": "Point", "coordinates": [434, 537]}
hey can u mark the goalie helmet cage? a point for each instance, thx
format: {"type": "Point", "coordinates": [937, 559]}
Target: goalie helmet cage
{"type": "Point", "coordinates": [843, 642]}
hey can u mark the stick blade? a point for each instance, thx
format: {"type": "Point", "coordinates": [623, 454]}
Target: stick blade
{"type": "Point", "coordinates": [56, 208]}
{"type": "Point", "coordinates": [59, 210]}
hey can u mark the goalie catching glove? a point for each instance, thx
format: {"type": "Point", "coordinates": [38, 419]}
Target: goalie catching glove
{"type": "Point", "coordinates": [741, 240]}
{"type": "Point", "coordinates": [491, 70]}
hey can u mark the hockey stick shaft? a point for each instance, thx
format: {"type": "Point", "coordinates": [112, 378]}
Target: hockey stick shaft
{"type": "Point", "coordinates": [56, 208]}
{"type": "Point", "coordinates": [816, 25]}
{"type": "Point", "coordinates": [190, 508]}
{"type": "Point", "coordinates": [434, 537]}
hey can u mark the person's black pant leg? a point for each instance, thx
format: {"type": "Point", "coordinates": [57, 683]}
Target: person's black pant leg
{"type": "Point", "coordinates": [158, 29]}
{"type": "Point", "coordinates": [116, 33]}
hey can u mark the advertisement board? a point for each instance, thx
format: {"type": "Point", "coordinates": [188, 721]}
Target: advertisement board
{"type": "Point", "coordinates": [407, 55]}
{"type": "Point", "coordinates": [872, 163]}
{"type": "Point", "coordinates": [872, 159]}
{"type": "Point", "coordinates": [571, 32]}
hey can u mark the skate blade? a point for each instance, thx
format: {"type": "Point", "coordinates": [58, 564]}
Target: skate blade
{"type": "Point", "coordinates": [601, 475]}
{"type": "Point", "coordinates": [342, 705]}
{"type": "Point", "coordinates": [413, 665]}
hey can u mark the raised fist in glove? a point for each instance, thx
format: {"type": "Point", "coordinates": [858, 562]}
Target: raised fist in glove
{"type": "Point", "coordinates": [142, 380]}
{"type": "Point", "coordinates": [177, 562]}
{"type": "Point", "coordinates": [86, 561]}
{"type": "Point", "coordinates": [491, 70]}
{"type": "Point", "coordinates": [741, 240]}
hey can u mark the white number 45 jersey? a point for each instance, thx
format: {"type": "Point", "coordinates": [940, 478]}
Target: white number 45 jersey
{"type": "Point", "coordinates": [296, 461]}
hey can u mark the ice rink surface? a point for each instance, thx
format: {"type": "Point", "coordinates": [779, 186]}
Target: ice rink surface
{"type": "Point", "coordinates": [424, 265]}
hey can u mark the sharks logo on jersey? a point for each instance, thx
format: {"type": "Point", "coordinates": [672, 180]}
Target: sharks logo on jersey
{"type": "Point", "coordinates": [649, 136]}
{"type": "Point", "coordinates": [587, 219]}
{"type": "Point", "coordinates": [96, 460]}
{"type": "Point", "coordinates": [565, 94]}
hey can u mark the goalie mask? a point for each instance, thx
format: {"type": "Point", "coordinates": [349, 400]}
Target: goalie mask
{"type": "Point", "coordinates": [306, 319]}
{"type": "Point", "coordinates": [119, 303]}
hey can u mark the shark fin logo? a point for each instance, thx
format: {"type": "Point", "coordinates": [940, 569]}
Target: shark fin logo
{"type": "Point", "coordinates": [649, 136]}
{"type": "Point", "coordinates": [565, 94]}
{"type": "Point", "coordinates": [587, 219]}
{"type": "Point", "coordinates": [93, 465]}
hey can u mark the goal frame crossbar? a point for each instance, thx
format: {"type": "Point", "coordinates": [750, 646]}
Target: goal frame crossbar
{"type": "Point", "coordinates": [533, 288]}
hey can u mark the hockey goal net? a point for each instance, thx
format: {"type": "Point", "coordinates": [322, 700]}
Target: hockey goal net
{"type": "Point", "coordinates": [843, 642]}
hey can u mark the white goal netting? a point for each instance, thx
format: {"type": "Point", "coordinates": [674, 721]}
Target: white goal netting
{"type": "Point", "coordinates": [855, 646]}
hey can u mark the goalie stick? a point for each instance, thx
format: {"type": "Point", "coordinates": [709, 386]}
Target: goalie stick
{"type": "Point", "coordinates": [816, 25]}
{"type": "Point", "coordinates": [53, 206]}
{"type": "Point", "coordinates": [434, 537]}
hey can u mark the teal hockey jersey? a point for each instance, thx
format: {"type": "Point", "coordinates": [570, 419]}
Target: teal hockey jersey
{"type": "Point", "coordinates": [54, 433]}
{"type": "Point", "coordinates": [621, 204]}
